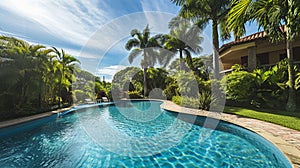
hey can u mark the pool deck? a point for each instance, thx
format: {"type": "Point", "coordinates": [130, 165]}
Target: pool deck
{"type": "Point", "coordinates": [286, 139]}
{"type": "Point", "coordinates": [30, 118]}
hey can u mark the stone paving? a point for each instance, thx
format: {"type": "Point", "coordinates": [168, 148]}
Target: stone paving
{"type": "Point", "coordinates": [286, 139]}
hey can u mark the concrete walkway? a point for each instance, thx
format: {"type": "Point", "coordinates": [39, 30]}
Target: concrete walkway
{"type": "Point", "coordinates": [286, 139]}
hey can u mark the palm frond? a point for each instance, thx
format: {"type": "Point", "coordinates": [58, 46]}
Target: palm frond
{"type": "Point", "coordinates": [165, 56]}
{"type": "Point", "coordinates": [178, 2]}
{"type": "Point", "coordinates": [132, 43]}
{"type": "Point", "coordinates": [133, 54]}
{"type": "Point", "coordinates": [238, 15]}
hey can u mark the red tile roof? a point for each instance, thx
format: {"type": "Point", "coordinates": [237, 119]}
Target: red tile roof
{"type": "Point", "coordinates": [252, 37]}
{"type": "Point", "coordinates": [249, 38]}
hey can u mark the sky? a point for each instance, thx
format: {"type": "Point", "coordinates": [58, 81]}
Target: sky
{"type": "Point", "coordinates": [94, 31]}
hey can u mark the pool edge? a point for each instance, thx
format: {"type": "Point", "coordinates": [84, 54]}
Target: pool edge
{"type": "Point", "coordinates": [291, 152]}
{"type": "Point", "coordinates": [58, 112]}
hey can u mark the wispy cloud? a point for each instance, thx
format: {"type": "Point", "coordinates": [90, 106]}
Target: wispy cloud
{"type": "Point", "coordinates": [87, 29]}
{"type": "Point", "coordinates": [74, 21]}
{"type": "Point", "coordinates": [109, 71]}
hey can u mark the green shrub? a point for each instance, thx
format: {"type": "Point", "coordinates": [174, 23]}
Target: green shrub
{"type": "Point", "coordinates": [177, 99]}
{"type": "Point", "coordinates": [239, 86]}
{"type": "Point", "coordinates": [186, 101]}
{"type": "Point", "coordinates": [134, 94]}
{"type": "Point", "coordinates": [171, 91]}
{"type": "Point", "coordinates": [205, 99]}
{"type": "Point", "coordinates": [80, 95]}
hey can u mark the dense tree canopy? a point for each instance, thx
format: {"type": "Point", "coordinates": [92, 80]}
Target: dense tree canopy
{"type": "Point", "coordinates": [34, 78]}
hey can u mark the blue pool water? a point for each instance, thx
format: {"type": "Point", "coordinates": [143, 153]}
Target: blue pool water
{"type": "Point", "coordinates": [134, 134]}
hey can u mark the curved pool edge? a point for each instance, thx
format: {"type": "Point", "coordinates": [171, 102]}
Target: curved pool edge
{"type": "Point", "coordinates": [58, 112]}
{"type": "Point", "coordinates": [276, 134]}
{"type": "Point", "coordinates": [264, 129]}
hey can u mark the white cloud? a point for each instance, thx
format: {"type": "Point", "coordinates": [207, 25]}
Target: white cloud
{"type": "Point", "coordinates": [64, 19]}
{"type": "Point", "coordinates": [110, 70]}
{"type": "Point", "coordinates": [113, 33]}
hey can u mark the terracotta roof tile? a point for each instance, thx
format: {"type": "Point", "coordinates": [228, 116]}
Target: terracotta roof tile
{"type": "Point", "coordinates": [249, 38]}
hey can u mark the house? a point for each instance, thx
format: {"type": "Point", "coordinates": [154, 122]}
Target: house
{"type": "Point", "coordinates": [255, 51]}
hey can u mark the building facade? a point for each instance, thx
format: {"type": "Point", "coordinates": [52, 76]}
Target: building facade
{"type": "Point", "coordinates": [255, 51]}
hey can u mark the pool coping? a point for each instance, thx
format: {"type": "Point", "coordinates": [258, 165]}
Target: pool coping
{"type": "Point", "coordinates": [280, 136]}
{"type": "Point", "coordinates": [21, 120]}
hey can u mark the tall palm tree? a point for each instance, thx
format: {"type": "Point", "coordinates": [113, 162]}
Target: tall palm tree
{"type": "Point", "coordinates": [183, 38]}
{"type": "Point", "coordinates": [204, 11]}
{"type": "Point", "coordinates": [66, 66]}
{"type": "Point", "coordinates": [143, 44]}
{"type": "Point", "coordinates": [280, 19]}
{"type": "Point", "coordinates": [27, 66]}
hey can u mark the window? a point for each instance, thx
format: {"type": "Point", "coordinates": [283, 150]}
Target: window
{"type": "Point", "coordinates": [244, 61]}
{"type": "Point", "coordinates": [296, 52]}
{"type": "Point", "coordinates": [282, 56]}
{"type": "Point", "coordinates": [262, 59]}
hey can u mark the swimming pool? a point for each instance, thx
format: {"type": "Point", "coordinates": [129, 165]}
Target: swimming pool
{"type": "Point", "coordinates": [133, 134]}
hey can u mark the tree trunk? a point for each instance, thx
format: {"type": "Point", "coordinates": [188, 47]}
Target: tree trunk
{"type": "Point", "coordinates": [145, 83]}
{"type": "Point", "coordinates": [181, 60]}
{"type": "Point", "coordinates": [215, 37]}
{"type": "Point", "coordinates": [291, 104]}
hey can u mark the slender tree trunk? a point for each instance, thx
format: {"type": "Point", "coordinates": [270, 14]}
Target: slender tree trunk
{"type": "Point", "coordinates": [145, 83]}
{"type": "Point", "coordinates": [291, 104]}
{"type": "Point", "coordinates": [181, 60]}
{"type": "Point", "coordinates": [60, 89]}
{"type": "Point", "coordinates": [215, 37]}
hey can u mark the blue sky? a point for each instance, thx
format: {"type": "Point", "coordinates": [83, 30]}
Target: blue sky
{"type": "Point", "coordinates": [94, 31]}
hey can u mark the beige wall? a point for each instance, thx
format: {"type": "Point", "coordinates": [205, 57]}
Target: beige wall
{"type": "Point", "coordinates": [274, 57]}
{"type": "Point", "coordinates": [233, 55]}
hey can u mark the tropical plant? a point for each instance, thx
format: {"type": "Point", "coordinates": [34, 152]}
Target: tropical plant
{"type": "Point", "coordinates": [202, 12]}
{"type": "Point", "coordinates": [199, 67]}
{"type": "Point", "coordinates": [143, 44]}
{"type": "Point", "coordinates": [280, 19]}
{"type": "Point", "coordinates": [239, 86]}
{"type": "Point", "coordinates": [66, 68]}
{"type": "Point", "coordinates": [157, 78]}
{"type": "Point", "coordinates": [183, 38]}
{"type": "Point", "coordinates": [35, 79]}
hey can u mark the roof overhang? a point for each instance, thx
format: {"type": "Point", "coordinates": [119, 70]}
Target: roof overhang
{"type": "Point", "coordinates": [236, 48]}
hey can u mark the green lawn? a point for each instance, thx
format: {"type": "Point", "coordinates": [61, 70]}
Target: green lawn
{"type": "Point", "coordinates": [287, 119]}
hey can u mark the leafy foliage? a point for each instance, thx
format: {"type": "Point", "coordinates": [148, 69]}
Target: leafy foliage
{"type": "Point", "coordinates": [186, 101]}
{"type": "Point", "coordinates": [279, 19]}
{"type": "Point", "coordinates": [35, 79]}
{"type": "Point", "coordinates": [142, 44]}
{"type": "Point", "coordinates": [184, 38]}
{"type": "Point", "coordinates": [261, 88]}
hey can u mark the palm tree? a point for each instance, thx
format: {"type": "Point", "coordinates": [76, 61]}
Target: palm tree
{"type": "Point", "coordinates": [27, 67]}
{"type": "Point", "coordinates": [203, 11]}
{"type": "Point", "coordinates": [66, 66]}
{"type": "Point", "coordinates": [183, 38]}
{"type": "Point", "coordinates": [280, 19]}
{"type": "Point", "coordinates": [143, 44]}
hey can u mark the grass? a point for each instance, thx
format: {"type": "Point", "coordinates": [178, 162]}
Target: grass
{"type": "Point", "coordinates": [286, 119]}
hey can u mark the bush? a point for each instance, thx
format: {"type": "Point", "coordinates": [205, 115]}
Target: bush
{"type": "Point", "coordinates": [80, 96]}
{"type": "Point", "coordinates": [186, 101]}
{"type": "Point", "coordinates": [134, 94]}
{"type": "Point", "coordinates": [171, 91]}
{"type": "Point", "coordinates": [205, 99]}
{"type": "Point", "coordinates": [239, 86]}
